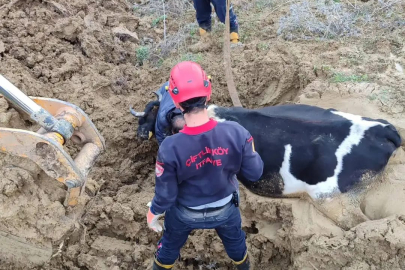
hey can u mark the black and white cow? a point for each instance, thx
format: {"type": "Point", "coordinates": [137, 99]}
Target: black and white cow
{"type": "Point", "coordinates": [307, 149]}
{"type": "Point", "coordinates": [147, 119]}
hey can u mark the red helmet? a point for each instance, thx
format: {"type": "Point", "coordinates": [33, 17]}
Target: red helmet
{"type": "Point", "coordinates": [188, 80]}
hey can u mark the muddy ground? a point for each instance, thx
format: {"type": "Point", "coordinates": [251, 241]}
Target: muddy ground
{"type": "Point", "coordinates": [104, 56]}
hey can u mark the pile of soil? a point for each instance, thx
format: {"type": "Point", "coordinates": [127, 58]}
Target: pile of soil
{"type": "Point", "coordinates": [84, 52]}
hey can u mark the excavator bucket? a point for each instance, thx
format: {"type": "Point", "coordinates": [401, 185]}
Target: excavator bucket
{"type": "Point", "coordinates": [59, 121]}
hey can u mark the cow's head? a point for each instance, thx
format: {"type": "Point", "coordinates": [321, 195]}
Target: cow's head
{"type": "Point", "coordinates": [147, 118]}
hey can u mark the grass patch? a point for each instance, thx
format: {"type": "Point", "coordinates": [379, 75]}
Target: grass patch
{"type": "Point", "coordinates": [383, 95]}
{"type": "Point", "coordinates": [325, 69]}
{"type": "Point", "coordinates": [249, 31]}
{"type": "Point", "coordinates": [341, 77]}
{"type": "Point", "coordinates": [158, 20]}
{"type": "Point", "coordinates": [193, 32]}
{"type": "Point", "coordinates": [263, 46]}
{"type": "Point", "coordinates": [261, 4]}
{"type": "Point", "coordinates": [192, 57]}
{"type": "Point", "coordinates": [142, 54]}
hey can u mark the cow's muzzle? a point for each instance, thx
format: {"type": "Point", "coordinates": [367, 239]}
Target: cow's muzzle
{"type": "Point", "coordinates": [145, 136]}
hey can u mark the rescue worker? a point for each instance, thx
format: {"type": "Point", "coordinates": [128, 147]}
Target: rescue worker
{"type": "Point", "coordinates": [170, 119]}
{"type": "Point", "coordinates": [196, 185]}
{"type": "Point", "coordinates": [203, 15]}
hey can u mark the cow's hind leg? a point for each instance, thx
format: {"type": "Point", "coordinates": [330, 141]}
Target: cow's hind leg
{"type": "Point", "coordinates": [343, 209]}
{"type": "Point", "coordinates": [386, 197]}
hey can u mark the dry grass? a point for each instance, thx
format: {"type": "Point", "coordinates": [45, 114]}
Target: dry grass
{"type": "Point", "coordinates": [163, 12]}
{"type": "Point", "coordinates": [173, 8]}
{"type": "Point", "coordinates": [176, 42]}
{"type": "Point", "coordinates": [318, 19]}
{"type": "Point", "coordinates": [327, 19]}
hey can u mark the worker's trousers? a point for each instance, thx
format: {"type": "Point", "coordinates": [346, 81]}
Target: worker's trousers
{"type": "Point", "coordinates": [180, 221]}
{"type": "Point", "coordinates": [204, 10]}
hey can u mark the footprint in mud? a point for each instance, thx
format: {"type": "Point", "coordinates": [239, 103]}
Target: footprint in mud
{"type": "Point", "coordinates": [252, 229]}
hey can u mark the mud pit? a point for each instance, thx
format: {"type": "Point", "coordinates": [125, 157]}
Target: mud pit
{"type": "Point", "coordinates": [85, 52]}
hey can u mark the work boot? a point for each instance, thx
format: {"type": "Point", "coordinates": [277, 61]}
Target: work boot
{"type": "Point", "coordinates": [235, 40]}
{"type": "Point", "coordinates": [205, 42]}
{"type": "Point", "coordinates": [158, 267]}
{"type": "Point", "coordinates": [246, 264]}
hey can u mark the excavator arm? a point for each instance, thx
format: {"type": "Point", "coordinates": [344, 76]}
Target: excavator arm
{"type": "Point", "coordinates": [60, 121]}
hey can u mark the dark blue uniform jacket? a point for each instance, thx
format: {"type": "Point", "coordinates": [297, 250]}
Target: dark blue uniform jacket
{"type": "Point", "coordinates": [166, 107]}
{"type": "Point", "coordinates": [199, 165]}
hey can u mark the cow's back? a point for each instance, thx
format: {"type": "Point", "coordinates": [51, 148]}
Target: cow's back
{"type": "Point", "coordinates": [303, 144]}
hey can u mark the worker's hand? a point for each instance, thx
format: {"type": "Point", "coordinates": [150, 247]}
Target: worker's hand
{"type": "Point", "coordinates": [153, 222]}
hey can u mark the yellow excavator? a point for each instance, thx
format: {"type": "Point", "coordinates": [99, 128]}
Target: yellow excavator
{"type": "Point", "coordinates": [60, 121]}
{"type": "Point", "coordinates": [39, 215]}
